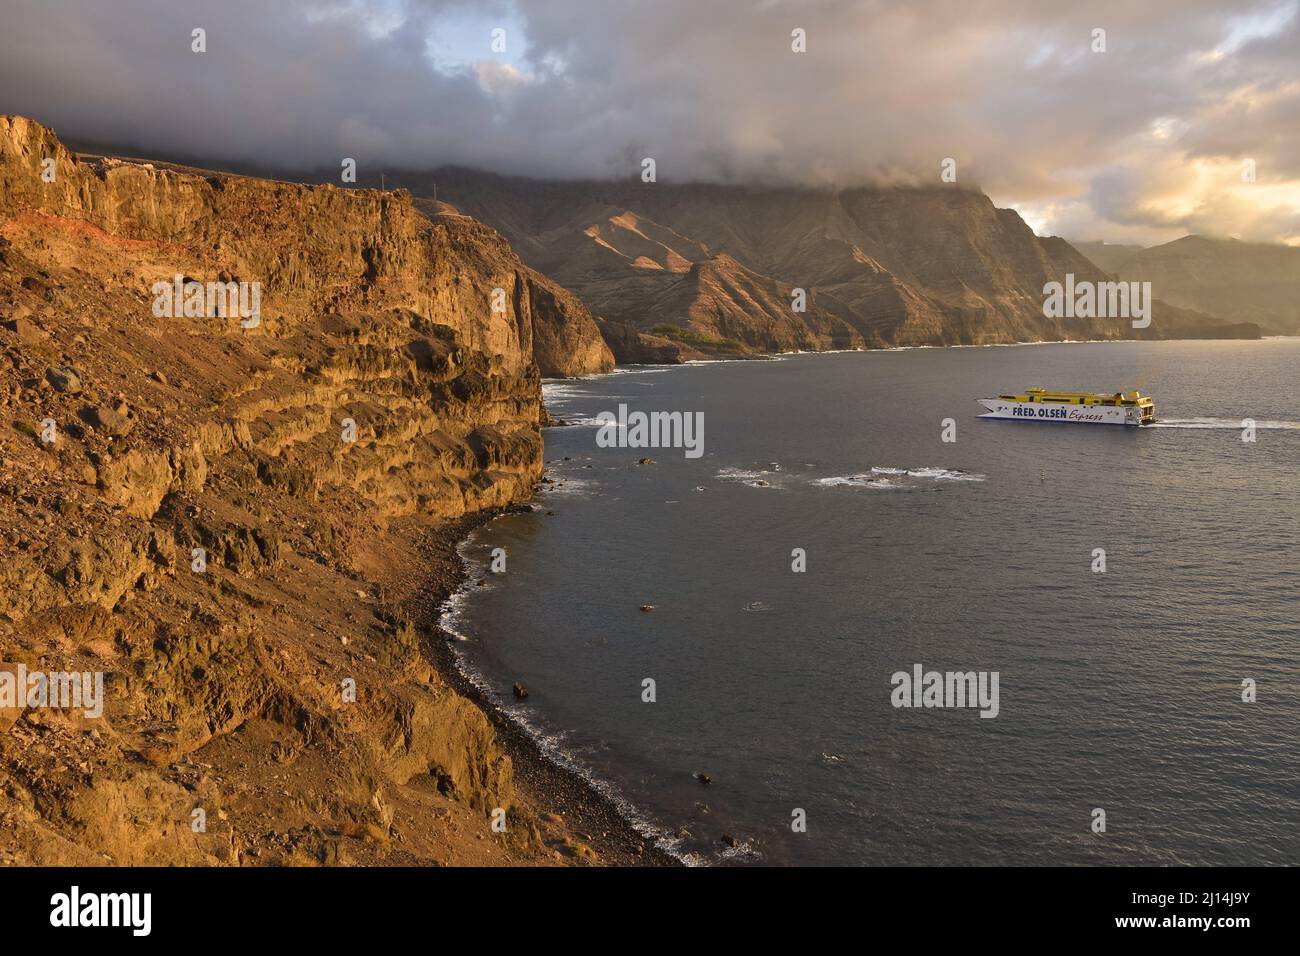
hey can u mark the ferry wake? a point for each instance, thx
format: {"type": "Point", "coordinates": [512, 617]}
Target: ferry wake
{"type": "Point", "coordinates": [1040, 405]}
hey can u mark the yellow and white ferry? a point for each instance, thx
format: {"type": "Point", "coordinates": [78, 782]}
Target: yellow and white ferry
{"type": "Point", "coordinates": [1040, 405]}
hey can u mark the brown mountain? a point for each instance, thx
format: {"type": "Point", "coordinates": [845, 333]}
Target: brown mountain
{"type": "Point", "coordinates": [880, 267]}
{"type": "Point", "coordinates": [1239, 281]}
{"type": "Point", "coordinates": [719, 300]}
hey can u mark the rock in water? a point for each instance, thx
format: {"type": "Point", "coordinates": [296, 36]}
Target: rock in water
{"type": "Point", "coordinates": [521, 690]}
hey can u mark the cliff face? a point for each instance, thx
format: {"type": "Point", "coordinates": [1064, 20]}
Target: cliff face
{"type": "Point", "coordinates": [563, 335]}
{"type": "Point", "coordinates": [223, 516]}
{"type": "Point", "coordinates": [879, 267]}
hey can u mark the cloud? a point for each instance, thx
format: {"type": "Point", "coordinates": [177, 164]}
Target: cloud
{"type": "Point", "coordinates": [1128, 143]}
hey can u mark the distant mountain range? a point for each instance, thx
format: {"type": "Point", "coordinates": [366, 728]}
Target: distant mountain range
{"type": "Point", "coordinates": [676, 270]}
{"type": "Point", "coordinates": [1237, 281]}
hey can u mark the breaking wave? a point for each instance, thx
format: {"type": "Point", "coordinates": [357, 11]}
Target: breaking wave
{"type": "Point", "coordinates": [886, 478]}
{"type": "Point", "coordinates": [945, 474]}
{"type": "Point", "coordinates": [879, 477]}
{"type": "Point", "coordinates": [750, 477]}
{"type": "Point", "coordinates": [582, 420]}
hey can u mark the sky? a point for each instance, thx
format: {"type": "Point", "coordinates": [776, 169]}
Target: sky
{"type": "Point", "coordinates": [1182, 117]}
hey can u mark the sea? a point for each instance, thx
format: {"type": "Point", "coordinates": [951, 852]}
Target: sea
{"type": "Point", "coordinates": [848, 524]}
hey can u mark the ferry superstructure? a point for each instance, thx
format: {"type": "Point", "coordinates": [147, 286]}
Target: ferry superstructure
{"type": "Point", "coordinates": [1086, 408]}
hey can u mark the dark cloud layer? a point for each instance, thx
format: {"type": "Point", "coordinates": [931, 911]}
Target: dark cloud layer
{"type": "Point", "coordinates": [1142, 142]}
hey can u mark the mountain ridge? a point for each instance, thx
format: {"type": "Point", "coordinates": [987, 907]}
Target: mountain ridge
{"type": "Point", "coordinates": [1241, 281]}
{"type": "Point", "coordinates": [879, 267]}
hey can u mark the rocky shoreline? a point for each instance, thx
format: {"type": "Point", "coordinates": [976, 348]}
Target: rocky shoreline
{"type": "Point", "coordinates": [552, 791]}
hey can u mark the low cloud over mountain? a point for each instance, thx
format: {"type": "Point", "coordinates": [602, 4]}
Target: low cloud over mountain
{"type": "Point", "coordinates": [1142, 143]}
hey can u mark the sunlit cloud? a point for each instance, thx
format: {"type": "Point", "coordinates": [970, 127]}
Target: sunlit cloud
{"type": "Point", "coordinates": [1141, 142]}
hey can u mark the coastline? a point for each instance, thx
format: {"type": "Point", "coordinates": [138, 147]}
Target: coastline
{"type": "Point", "coordinates": [548, 790]}
{"type": "Point", "coordinates": [771, 356]}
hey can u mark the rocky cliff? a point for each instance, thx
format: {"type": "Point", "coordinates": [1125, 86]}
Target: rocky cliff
{"type": "Point", "coordinates": [239, 519]}
{"type": "Point", "coordinates": [879, 267]}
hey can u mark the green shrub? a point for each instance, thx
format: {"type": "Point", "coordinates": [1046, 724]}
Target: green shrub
{"type": "Point", "coordinates": [691, 337]}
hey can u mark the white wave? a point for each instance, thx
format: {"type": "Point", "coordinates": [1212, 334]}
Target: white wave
{"type": "Point", "coordinates": [1233, 423]}
{"type": "Point", "coordinates": [562, 486]}
{"type": "Point", "coordinates": [885, 477]}
{"type": "Point", "coordinates": [944, 474]}
{"type": "Point", "coordinates": [637, 370]}
{"type": "Point", "coordinates": [451, 616]}
{"type": "Point", "coordinates": [582, 420]}
{"type": "Point", "coordinates": [744, 849]}
{"type": "Point", "coordinates": [750, 477]}
{"type": "Point", "coordinates": [560, 389]}
{"type": "Point", "coordinates": [859, 481]}
{"type": "Point", "coordinates": [620, 370]}
{"type": "Point", "coordinates": [795, 352]}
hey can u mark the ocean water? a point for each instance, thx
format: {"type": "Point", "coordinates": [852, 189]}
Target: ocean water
{"type": "Point", "coordinates": [1118, 690]}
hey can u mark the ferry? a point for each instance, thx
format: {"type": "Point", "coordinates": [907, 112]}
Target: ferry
{"type": "Point", "coordinates": [1040, 405]}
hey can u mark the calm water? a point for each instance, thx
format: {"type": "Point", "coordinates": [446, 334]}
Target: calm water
{"type": "Point", "coordinates": [1118, 690]}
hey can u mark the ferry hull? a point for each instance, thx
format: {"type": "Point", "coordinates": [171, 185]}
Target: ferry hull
{"type": "Point", "coordinates": [1064, 414]}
